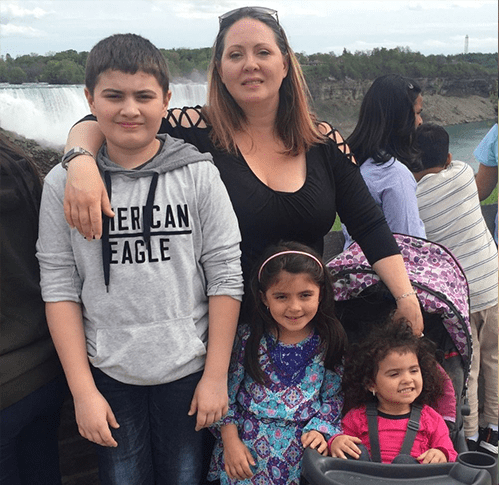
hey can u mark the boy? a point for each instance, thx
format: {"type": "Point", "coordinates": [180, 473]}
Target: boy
{"type": "Point", "coordinates": [129, 314]}
{"type": "Point", "coordinates": [450, 209]}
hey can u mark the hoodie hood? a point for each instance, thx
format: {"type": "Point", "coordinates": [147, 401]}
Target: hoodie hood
{"type": "Point", "coordinates": [173, 154]}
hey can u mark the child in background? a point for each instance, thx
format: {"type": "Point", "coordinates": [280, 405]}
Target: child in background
{"type": "Point", "coordinates": [391, 375]}
{"type": "Point", "coordinates": [383, 143]}
{"type": "Point", "coordinates": [285, 376]}
{"type": "Point", "coordinates": [144, 320]}
{"type": "Point", "coordinates": [450, 209]}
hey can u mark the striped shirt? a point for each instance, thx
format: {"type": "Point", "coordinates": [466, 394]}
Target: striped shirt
{"type": "Point", "coordinates": [450, 209]}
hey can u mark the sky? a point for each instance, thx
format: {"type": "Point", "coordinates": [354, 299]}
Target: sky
{"type": "Point", "coordinates": [427, 26]}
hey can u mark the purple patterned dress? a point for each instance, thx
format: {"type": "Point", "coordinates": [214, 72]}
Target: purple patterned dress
{"type": "Point", "coordinates": [302, 396]}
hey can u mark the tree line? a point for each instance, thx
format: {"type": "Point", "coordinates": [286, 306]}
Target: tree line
{"type": "Point", "coordinates": [68, 67]}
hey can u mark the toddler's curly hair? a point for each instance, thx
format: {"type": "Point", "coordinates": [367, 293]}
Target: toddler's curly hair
{"type": "Point", "coordinates": [363, 360]}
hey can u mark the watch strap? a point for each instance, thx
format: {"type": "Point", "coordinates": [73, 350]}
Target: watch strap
{"type": "Point", "coordinates": [73, 153]}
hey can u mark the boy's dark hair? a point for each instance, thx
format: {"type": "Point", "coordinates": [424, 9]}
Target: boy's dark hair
{"type": "Point", "coordinates": [362, 363]}
{"type": "Point", "coordinates": [328, 327]}
{"type": "Point", "coordinates": [433, 143]}
{"type": "Point", "coordinates": [387, 125]}
{"type": "Point", "coordinates": [127, 53]}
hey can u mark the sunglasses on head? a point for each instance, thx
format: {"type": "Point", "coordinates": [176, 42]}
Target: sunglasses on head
{"type": "Point", "coordinates": [262, 10]}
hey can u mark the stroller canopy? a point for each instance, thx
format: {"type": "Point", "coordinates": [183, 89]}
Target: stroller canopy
{"type": "Point", "coordinates": [435, 274]}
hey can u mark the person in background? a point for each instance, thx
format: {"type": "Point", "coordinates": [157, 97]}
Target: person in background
{"type": "Point", "coordinates": [450, 209]}
{"type": "Point", "coordinates": [285, 376]}
{"type": "Point", "coordinates": [143, 320]}
{"type": "Point", "coordinates": [383, 144]}
{"type": "Point", "coordinates": [32, 384]}
{"type": "Point", "coordinates": [486, 177]}
{"type": "Point", "coordinates": [286, 173]}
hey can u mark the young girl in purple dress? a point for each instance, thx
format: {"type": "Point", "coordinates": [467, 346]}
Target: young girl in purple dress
{"type": "Point", "coordinates": [285, 376]}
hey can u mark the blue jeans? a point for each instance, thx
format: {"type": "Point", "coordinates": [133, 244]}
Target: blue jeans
{"type": "Point", "coordinates": [157, 442]}
{"type": "Point", "coordinates": [29, 452]}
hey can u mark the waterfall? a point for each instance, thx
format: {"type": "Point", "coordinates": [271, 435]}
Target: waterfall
{"type": "Point", "coordinates": [45, 112]}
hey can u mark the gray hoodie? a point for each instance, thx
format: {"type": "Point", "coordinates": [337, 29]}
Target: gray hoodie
{"type": "Point", "coordinates": [144, 287]}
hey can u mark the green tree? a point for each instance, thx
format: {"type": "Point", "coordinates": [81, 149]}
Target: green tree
{"type": "Point", "coordinates": [16, 75]}
{"type": "Point", "coordinates": [63, 72]}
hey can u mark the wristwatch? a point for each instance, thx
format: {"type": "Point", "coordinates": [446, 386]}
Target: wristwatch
{"type": "Point", "coordinates": [73, 153]}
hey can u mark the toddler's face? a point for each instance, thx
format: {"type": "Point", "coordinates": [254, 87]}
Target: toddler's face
{"type": "Point", "coordinates": [398, 382]}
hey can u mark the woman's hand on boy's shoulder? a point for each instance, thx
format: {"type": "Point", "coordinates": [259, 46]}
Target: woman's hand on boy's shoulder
{"type": "Point", "coordinates": [315, 440]}
{"type": "Point", "coordinates": [85, 198]}
{"type": "Point", "coordinates": [344, 445]}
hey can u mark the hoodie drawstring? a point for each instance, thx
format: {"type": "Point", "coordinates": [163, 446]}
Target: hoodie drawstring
{"type": "Point", "coordinates": [106, 220]}
{"type": "Point", "coordinates": [106, 248]}
{"type": "Point", "coordinates": [147, 215]}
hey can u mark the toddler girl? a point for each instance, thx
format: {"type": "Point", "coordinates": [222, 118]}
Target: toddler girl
{"type": "Point", "coordinates": [285, 376]}
{"type": "Point", "coordinates": [393, 376]}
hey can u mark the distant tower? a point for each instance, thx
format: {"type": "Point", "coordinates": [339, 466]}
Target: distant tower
{"type": "Point", "coordinates": [466, 39]}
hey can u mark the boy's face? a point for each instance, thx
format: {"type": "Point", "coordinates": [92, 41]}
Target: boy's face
{"type": "Point", "coordinates": [129, 109]}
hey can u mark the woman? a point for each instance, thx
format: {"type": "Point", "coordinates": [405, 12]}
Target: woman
{"type": "Point", "coordinates": [32, 385]}
{"type": "Point", "coordinates": [286, 174]}
{"type": "Point", "coordinates": [383, 143]}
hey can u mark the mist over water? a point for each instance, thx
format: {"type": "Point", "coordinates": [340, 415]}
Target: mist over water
{"type": "Point", "coordinates": [45, 112]}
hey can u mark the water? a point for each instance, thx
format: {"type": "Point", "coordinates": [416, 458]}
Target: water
{"type": "Point", "coordinates": [465, 138]}
{"type": "Point", "coordinates": [45, 112]}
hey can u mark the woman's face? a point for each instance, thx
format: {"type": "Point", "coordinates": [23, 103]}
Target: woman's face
{"type": "Point", "coordinates": [418, 108]}
{"type": "Point", "coordinates": [252, 67]}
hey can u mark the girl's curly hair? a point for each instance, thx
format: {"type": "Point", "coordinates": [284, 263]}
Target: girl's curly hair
{"type": "Point", "coordinates": [362, 363]}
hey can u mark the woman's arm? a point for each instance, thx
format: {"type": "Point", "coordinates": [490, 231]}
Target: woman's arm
{"type": "Point", "coordinates": [85, 197]}
{"type": "Point", "coordinates": [392, 272]}
{"type": "Point", "coordinates": [366, 222]}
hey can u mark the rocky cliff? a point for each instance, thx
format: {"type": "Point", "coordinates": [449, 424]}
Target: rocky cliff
{"type": "Point", "coordinates": [445, 101]}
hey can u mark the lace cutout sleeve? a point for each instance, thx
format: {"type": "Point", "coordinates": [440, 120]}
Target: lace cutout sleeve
{"type": "Point", "coordinates": [342, 145]}
{"type": "Point", "coordinates": [186, 117]}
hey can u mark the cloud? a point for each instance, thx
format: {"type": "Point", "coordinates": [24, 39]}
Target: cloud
{"type": "Point", "coordinates": [15, 11]}
{"type": "Point", "coordinates": [11, 30]}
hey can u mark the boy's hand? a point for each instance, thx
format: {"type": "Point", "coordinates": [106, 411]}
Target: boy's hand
{"type": "Point", "coordinates": [432, 456]}
{"type": "Point", "coordinates": [345, 444]}
{"type": "Point", "coordinates": [94, 416]}
{"type": "Point", "coordinates": [237, 459]}
{"type": "Point", "coordinates": [315, 440]}
{"type": "Point", "coordinates": [85, 197]}
{"type": "Point", "coordinates": [210, 401]}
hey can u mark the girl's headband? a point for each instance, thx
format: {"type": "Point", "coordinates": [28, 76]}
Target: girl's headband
{"type": "Point", "coordinates": [287, 252]}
